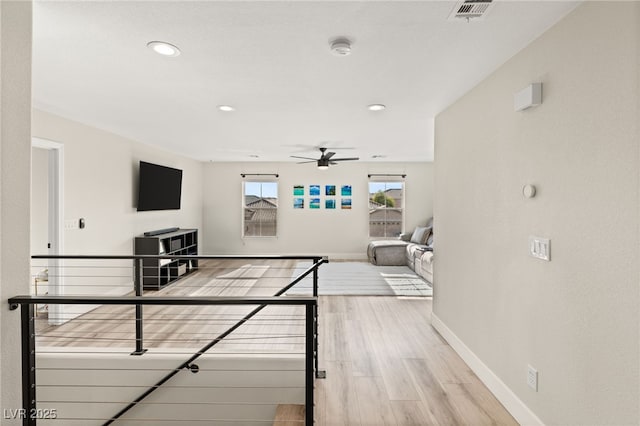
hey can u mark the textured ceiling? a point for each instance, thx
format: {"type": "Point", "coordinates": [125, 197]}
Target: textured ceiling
{"type": "Point", "coordinates": [271, 61]}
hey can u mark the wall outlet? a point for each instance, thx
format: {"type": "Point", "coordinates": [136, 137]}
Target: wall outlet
{"type": "Point", "coordinates": [532, 378]}
{"type": "Point", "coordinates": [540, 248]}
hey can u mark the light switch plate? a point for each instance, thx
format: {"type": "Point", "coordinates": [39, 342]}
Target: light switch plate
{"type": "Point", "coordinates": [532, 378]}
{"type": "Point", "coordinates": [540, 248]}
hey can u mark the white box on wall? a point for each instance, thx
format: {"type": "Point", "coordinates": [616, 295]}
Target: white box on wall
{"type": "Point", "coordinates": [528, 97]}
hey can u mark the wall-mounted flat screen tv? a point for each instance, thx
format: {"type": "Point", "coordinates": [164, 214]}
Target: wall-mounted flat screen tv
{"type": "Point", "coordinates": [160, 187]}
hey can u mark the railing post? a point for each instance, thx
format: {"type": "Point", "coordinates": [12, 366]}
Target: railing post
{"type": "Point", "coordinates": [308, 371]}
{"type": "Point", "coordinates": [138, 286]}
{"type": "Point", "coordinates": [315, 278]}
{"type": "Point", "coordinates": [28, 364]}
{"type": "Point", "coordinates": [316, 353]}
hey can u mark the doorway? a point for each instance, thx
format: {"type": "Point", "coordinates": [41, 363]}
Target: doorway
{"type": "Point", "coordinates": [47, 221]}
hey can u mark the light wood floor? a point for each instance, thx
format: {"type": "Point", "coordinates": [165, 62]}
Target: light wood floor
{"type": "Point", "coordinates": [274, 329]}
{"type": "Point", "coordinates": [385, 364]}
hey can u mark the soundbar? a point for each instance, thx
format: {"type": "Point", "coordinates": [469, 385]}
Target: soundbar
{"type": "Point", "coordinates": [160, 231]}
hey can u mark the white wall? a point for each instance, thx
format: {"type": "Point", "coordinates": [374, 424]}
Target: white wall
{"type": "Point", "coordinates": [336, 233]}
{"type": "Point", "coordinates": [15, 158]}
{"type": "Point", "coordinates": [216, 392]}
{"type": "Point", "coordinates": [101, 186]}
{"type": "Point", "coordinates": [576, 318]}
{"type": "Point", "coordinates": [39, 200]}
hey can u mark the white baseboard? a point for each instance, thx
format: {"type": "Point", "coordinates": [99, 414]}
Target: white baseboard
{"type": "Point", "coordinates": [500, 390]}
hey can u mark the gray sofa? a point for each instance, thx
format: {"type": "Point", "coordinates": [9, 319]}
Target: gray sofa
{"type": "Point", "coordinates": [414, 250]}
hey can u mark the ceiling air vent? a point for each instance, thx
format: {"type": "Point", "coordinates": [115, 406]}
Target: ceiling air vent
{"type": "Point", "coordinates": [470, 9]}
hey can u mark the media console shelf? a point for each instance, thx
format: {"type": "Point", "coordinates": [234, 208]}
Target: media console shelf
{"type": "Point", "coordinates": [157, 273]}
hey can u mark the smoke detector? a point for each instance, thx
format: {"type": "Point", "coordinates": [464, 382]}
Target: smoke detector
{"type": "Point", "coordinates": [470, 9]}
{"type": "Point", "coordinates": [341, 47]}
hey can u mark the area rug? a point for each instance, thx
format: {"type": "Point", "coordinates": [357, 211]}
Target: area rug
{"type": "Point", "coordinates": [361, 278]}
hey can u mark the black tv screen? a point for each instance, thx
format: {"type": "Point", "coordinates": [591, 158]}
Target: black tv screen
{"type": "Point", "coordinates": [160, 187]}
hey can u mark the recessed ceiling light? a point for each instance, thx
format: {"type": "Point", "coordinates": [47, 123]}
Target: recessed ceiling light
{"type": "Point", "coordinates": [226, 108]}
{"type": "Point", "coordinates": [341, 47]}
{"type": "Point", "coordinates": [376, 107]}
{"type": "Point", "coordinates": [163, 48]}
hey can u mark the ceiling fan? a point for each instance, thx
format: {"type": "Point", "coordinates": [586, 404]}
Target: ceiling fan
{"type": "Point", "coordinates": [326, 159]}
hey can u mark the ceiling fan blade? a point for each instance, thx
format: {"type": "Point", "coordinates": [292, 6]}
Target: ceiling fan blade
{"type": "Point", "coordinates": [328, 155]}
{"type": "Point", "coordinates": [333, 163]}
{"type": "Point", "coordinates": [303, 162]}
{"type": "Point", "coordinates": [345, 159]}
{"type": "Point", "coordinates": [304, 158]}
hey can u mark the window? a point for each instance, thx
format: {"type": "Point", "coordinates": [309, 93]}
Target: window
{"type": "Point", "coordinates": [260, 210]}
{"type": "Point", "coordinates": [386, 200]}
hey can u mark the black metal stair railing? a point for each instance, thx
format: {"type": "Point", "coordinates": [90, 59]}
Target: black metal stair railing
{"type": "Point", "coordinates": [204, 349]}
{"type": "Point", "coordinates": [29, 306]}
{"type": "Point", "coordinates": [27, 303]}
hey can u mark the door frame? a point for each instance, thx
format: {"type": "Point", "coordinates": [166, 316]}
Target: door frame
{"type": "Point", "coordinates": [56, 222]}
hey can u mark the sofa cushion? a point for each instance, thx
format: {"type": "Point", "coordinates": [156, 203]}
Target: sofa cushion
{"type": "Point", "coordinates": [427, 258]}
{"type": "Point", "coordinates": [420, 235]}
{"type": "Point", "coordinates": [424, 266]}
{"type": "Point", "coordinates": [412, 251]}
{"type": "Point", "coordinates": [405, 236]}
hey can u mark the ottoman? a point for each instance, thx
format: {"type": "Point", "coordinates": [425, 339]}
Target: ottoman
{"type": "Point", "coordinates": [387, 252]}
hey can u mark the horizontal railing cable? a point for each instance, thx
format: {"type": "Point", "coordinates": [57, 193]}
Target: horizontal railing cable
{"type": "Point", "coordinates": [198, 257]}
{"type": "Point", "coordinates": [216, 276]}
{"type": "Point", "coordinates": [262, 302]}
{"type": "Point", "coordinates": [161, 352]}
{"type": "Point", "coordinates": [211, 344]}
{"type": "Point", "coordinates": [173, 386]}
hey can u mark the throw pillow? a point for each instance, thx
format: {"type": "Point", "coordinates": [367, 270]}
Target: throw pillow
{"type": "Point", "coordinates": [427, 235]}
{"type": "Point", "coordinates": [420, 235]}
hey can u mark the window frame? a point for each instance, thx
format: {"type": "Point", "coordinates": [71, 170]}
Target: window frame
{"type": "Point", "coordinates": [392, 182]}
{"type": "Point", "coordinates": [244, 207]}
